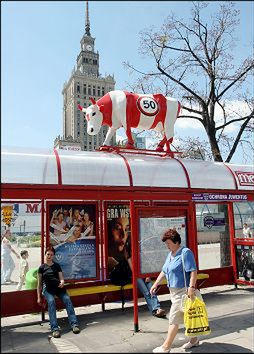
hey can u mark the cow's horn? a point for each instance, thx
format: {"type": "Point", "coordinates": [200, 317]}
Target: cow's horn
{"type": "Point", "coordinates": [92, 100]}
{"type": "Point", "coordinates": [80, 107]}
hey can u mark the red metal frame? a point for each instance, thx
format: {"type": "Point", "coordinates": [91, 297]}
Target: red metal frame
{"type": "Point", "coordinates": [43, 233]}
{"type": "Point", "coordinates": [102, 238]}
{"type": "Point", "coordinates": [128, 168]}
{"type": "Point", "coordinates": [185, 172]}
{"type": "Point", "coordinates": [241, 242]}
{"type": "Point", "coordinates": [136, 213]}
{"type": "Point", "coordinates": [59, 169]}
{"type": "Point", "coordinates": [134, 260]}
{"type": "Point", "coordinates": [232, 174]}
{"type": "Point", "coordinates": [166, 211]}
{"type": "Point", "coordinates": [118, 150]}
{"type": "Point", "coordinates": [23, 191]}
{"type": "Point", "coordinates": [136, 197]}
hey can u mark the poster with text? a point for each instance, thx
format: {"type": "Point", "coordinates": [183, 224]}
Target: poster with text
{"type": "Point", "coordinates": [72, 230]}
{"type": "Point", "coordinates": [118, 226]}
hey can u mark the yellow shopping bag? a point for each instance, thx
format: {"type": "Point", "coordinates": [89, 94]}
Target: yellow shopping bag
{"type": "Point", "coordinates": [195, 318]}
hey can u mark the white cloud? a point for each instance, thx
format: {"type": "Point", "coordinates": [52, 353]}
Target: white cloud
{"type": "Point", "coordinates": [234, 109]}
{"type": "Point", "coordinates": [186, 123]}
{"type": "Point", "coordinates": [232, 128]}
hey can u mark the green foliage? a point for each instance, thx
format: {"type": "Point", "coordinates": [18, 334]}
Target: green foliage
{"type": "Point", "coordinates": [30, 241]}
{"type": "Point", "coordinates": [12, 238]}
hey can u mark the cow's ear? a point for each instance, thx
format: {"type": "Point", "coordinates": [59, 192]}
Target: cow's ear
{"type": "Point", "coordinates": [101, 108]}
{"type": "Point", "coordinates": [92, 100]}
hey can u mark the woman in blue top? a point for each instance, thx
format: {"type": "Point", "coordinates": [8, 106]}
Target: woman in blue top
{"type": "Point", "coordinates": [173, 271]}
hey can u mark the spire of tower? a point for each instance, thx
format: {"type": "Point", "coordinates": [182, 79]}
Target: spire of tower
{"type": "Point", "coordinates": [87, 20]}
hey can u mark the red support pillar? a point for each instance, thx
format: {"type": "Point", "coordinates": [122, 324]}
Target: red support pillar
{"type": "Point", "coordinates": [232, 237]}
{"type": "Point", "coordinates": [43, 234]}
{"type": "Point", "coordinates": [102, 238]}
{"type": "Point", "coordinates": [134, 254]}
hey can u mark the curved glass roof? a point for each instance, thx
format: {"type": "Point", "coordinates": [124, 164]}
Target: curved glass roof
{"type": "Point", "coordinates": [155, 171]}
{"type": "Point", "coordinates": [92, 168]}
{"type": "Point", "coordinates": [99, 168]}
{"type": "Point", "coordinates": [209, 175]}
{"type": "Point", "coordinates": [27, 166]}
{"type": "Point", "coordinates": [244, 176]}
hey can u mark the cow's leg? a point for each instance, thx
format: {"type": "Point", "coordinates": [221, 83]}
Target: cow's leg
{"type": "Point", "coordinates": [161, 144]}
{"type": "Point", "coordinates": [110, 133]}
{"type": "Point", "coordinates": [130, 143]}
{"type": "Point", "coordinates": [168, 143]}
{"type": "Point", "coordinates": [173, 109]}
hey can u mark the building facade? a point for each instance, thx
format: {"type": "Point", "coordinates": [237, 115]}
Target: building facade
{"type": "Point", "coordinates": [85, 82]}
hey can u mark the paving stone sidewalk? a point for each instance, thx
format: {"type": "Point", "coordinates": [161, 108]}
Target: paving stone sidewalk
{"type": "Point", "coordinates": [231, 319]}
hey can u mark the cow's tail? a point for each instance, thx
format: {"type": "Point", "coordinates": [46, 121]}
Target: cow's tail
{"type": "Point", "coordinates": [179, 109]}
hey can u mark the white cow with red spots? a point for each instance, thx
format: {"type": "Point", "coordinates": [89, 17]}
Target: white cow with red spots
{"type": "Point", "coordinates": [131, 110]}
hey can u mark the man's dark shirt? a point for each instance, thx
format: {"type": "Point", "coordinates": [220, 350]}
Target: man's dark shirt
{"type": "Point", "coordinates": [50, 278]}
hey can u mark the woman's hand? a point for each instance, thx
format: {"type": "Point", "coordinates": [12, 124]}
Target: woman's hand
{"type": "Point", "coordinates": [153, 289]}
{"type": "Point", "coordinates": [191, 293]}
{"type": "Point", "coordinates": [39, 300]}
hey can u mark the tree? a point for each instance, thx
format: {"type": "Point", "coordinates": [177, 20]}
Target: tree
{"type": "Point", "coordinates": [195, 61]}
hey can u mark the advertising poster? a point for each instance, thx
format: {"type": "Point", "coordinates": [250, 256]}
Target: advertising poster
{"type": "Point", "coordinates": [9, 214]}
{"type": "Point", "coordinates": [245, 262]}
{"type": "Point", "coordinates": [118, 226]}
{"type": "Point", "coordinates": [72, 231]}
{"type": "Point", "coordinates": [153, 252]}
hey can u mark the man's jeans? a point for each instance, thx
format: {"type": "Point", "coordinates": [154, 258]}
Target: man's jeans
{"type": "Point", "coordinates": [152, 300]}
{"type": "Point", "coordinates": [52, 310]}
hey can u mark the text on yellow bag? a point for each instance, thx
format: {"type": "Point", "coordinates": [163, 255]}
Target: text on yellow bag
{"type": "Point", "coordinates": [195, 318]}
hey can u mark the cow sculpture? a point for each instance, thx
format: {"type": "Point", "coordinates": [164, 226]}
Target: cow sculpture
{"type": "Point", "coordinates": [130, 110]}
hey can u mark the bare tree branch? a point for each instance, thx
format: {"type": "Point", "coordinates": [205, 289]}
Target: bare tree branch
{"type": "Point", "coordinates": [231, 153]}
{"type": "Point", "coordinates": [195, 59]}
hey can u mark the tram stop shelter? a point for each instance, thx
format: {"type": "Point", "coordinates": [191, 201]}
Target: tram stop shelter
{"type": "Point", "coordinates": [207, 202]}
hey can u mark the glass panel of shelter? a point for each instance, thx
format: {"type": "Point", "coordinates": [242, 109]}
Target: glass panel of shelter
{"type": "Point", "coordinates": [244, 214]}
{"type": "Point", "coordinates": [213, 237]}
{"type": "Point", "coordinates": [152, 223]}
{"type": "Point", "coordinates": [21, 229]}
{"type": "Point", "coordinates": [153, 252]}
{"type": "Point", "coordinates": [244, 237]}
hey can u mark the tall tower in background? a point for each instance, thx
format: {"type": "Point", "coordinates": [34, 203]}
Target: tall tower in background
{"type": "Point", "coordinates": [85, 82]}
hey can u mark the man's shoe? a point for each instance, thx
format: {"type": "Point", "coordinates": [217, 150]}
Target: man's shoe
{"type": "Point", "coordinates": [161, 350]}
{"type": "Point", "coordinates": [75, 330]}
{"type": "Point", "coordinates": [56, 334]}
{"type": "Point", "coordinates": [189, 345]}
{"type": "Point", "coordinates": [160, 313]}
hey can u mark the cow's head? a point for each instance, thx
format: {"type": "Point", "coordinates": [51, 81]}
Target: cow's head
{"type": "Point", "coordinates": [93, 116]}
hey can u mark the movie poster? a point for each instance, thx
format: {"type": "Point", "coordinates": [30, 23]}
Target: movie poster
{"type": "Point", "coordinates": [73, 234]}
{"type": "Point", "coordinates": [118, 227]}
{"type": "Point", "coordinates": [245, 262]}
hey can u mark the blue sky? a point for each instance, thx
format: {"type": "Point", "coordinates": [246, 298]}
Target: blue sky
{"type": "Point", "coordinates": [40, 44]}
